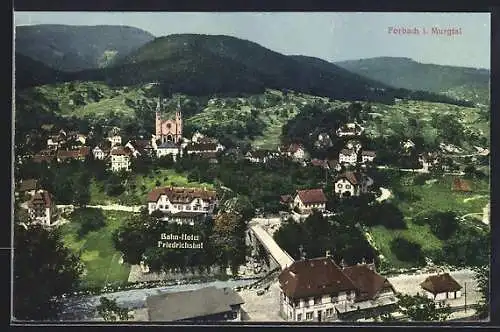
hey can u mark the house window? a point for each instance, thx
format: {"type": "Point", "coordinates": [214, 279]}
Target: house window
{"type": "Point", "coordinates": [334, 297]}
{"type": "Point", "coordinates": [188, 208]}
{"type": "Point", "coordinates": [317, 300]}
{"type": "Point", "coordinates": [329, 312]}
{"type": "Point", "coordinates": [339, 185]}
{"type": "Point", "coordinates": [299, 317]}
{"type": "Point", "coordinates": [296, 303]}
{"type": "Point", "coordinates": [348, 186]}
{"type": "Point", "coordinates": [309, 315]}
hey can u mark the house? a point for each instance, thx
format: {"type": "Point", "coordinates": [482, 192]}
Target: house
{"type": "Point", "coordinates": [134, 151]}
{"type": "Point", "coordinates": [348, 156]}
{"type": "Point", "coordinates": [368, 156]}
{"type": "Point", "coordinates": [319, 290]}
{"type": "Point", "coordinates": [41, 208]}
{"type": "Point", "coordinates": [28, 187]}
{"type": "Point", "coordinates": [202, 305]}
{"type": "Point", "coordinates": [441, 287]}
{"type": "Point", "coordinates": [168, 148]}
{"type": "Point", "coordinates": [352, 184]}
{"type": "Point", "coordinates": [307, 200]}
{"type": "Point", "coordinates": [407, 145]}
{"type": "Point", "coordinates": [261, 155]}
{"type": "Point", "coordinates": [295, 151]}
{"type": "Point", "coordinates": [144, 146]}
{"type": "Point", "coordinates": [334, 164]}
{"type": "Point", "coordinates": [120, 159]}
{"type": "Point", "coordinates": [354, 144]}
{"type": "Point", "coordinates": [461, 185]}
{"type": "Point", "coordinates": [78, 154]}
{"type": "Point", "coordinates": [350, 129]}
{"type": "Point", "coordinates": [320, 163]}
{"type": "Point", "coordinates": [115, 140]}
{"type": "Point", "coordinates": [99, 153]}
{"type": "Point", "coordinates": [54, 142]}
{"type": "Point", "coordinates": [429, 159]}
{"type": "Point", "coordinates": [172, 200]}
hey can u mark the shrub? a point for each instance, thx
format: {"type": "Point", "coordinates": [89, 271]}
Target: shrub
{"type": "Point", "coordinates": [407, 251]}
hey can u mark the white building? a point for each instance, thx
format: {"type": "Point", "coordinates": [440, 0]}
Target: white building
{"type": "Point", "coordinates": [41, 208]}
{"type": "Point", "coordinates": [99, 153]}
{"type": "Point", "coordinates": [320, 290]}
{"type": "Point", "coordinates": [120, 159]}
{"type": "Point", "coordinates": [348, 156]}
{"type": "Point", "coordinates": [352, 184]}
{"type": "Point", "coordinates": [441, 287]}
{"type": "Point", "coordinates": [168, 148]}
{"type": "Point", "coordinates": [350, 129]}
{"type": "Point", "coordinates": [354, 144]}
{"type": "Point", "coordinates": [295, 151]}
{"type": "Point", "coordinates": [368, 156]}
{"type": "Point", "coordinates": [189, 201]}
{"type": "Point", "coordinates": [115, 140]}
{"type": "Point", "coordinates": [308, 200]}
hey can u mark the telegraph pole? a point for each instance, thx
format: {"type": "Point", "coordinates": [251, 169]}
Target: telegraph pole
{"type": "Point", "coordinates": [465, 295]}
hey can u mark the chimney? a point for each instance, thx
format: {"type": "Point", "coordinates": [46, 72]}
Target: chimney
{"type": "Point", "coordinates": [327, 254]}
{"type": "Point", "coordinates": [342, 263]}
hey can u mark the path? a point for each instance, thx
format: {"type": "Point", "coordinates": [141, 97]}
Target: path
{"type": "Point", "coordinates": [386, 194]}
{"type": "Point", "coordinates": [113, 207]}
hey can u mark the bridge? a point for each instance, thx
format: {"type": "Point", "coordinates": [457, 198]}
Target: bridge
{"type": "Point", "coordinates": [256, 234]}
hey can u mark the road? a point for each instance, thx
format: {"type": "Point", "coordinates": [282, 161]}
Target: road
{"type": "Point", "coordinates": [83, 307]}
{"type": "Point", "coordinates": [282, 257]}
{"type": "Point", "coordinates": [113, 207]}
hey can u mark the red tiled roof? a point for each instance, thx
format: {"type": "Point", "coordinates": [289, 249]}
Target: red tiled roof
{"type": "Point", "coordinates": [440, 283]}
{"type": "Point", "coordinates": [314, 277]}
{"type": "Point", "coordinates": [312, 196]}
{"type": "Point", "coordinates": [40, 199]}
{"type": "Point", "coordinates": [461, 185]}
{"type": "Point", "coordinates": [42, 158]}
{"type": "Point", "coordinates": [367, 282]}
{"type": "Point", "coordinates": [181, 195]}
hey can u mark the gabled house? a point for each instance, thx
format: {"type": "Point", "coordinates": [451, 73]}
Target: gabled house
{"type": "Point", "coordinates": [41, 208]}
{"type": "Point", "coordinates": [260, 155]}
{"type": "Point", "coordinates": [190, 202]}
{"type": "Point", "coordinates": [115, 140]}
{"type": "Point", "coordinates": [120, 159]}
{"type": "Point", "coordinates": [168, 148]}
{"type": "Point", "coordinates": [309, 199]}
{"type": "Point", "coordinates": [320, 290]}
{"type": "Point", "coordinates": [134, 151]}
{"type": "Point", "coordinates": [100, 153]}
{"type": "Point", "coordinates": [441, 287]}
{"type": "Point", "coordinates": [78, 154]}
{"type": "Point", "coordinates": [294, 150]}
{"type": "Point", "coordinates": [54, 142]}
{"type": "Point", "coordinates": [348, 156]}
{"type": "Point", "coordinates": [354, 144]}
{"type": "Point", "coordinates": [368, 156]}
{"type": "Point", "coordinates": [430, 159]}
{"type": "Point", "coordinates": [350, 129]}
{"type": "Point", "coordinates": [352, 184]}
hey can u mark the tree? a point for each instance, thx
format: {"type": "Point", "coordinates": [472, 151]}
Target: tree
{"type": "Point", "coordinates": [407, 251]}
{"type": "Point", "coordinates": [89, 220]}
{"type": "Point", "coordinates": [419, 308]}
{"type": "Point", "coordinates": [43, 269]}
{"type": "Point", "coordinates": [110, 311]}
{"type": "Point", "coordinates": [131, 239]}
{"type": "Point", "coordinates": [229, 239]}
{"type": "Point", "coordinates": [482, 276]}
{"type": "Point", "coordinates": [443, 224]}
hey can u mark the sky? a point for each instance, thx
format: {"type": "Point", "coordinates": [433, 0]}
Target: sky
{"type": "Point", "coordinates": [327, 35]}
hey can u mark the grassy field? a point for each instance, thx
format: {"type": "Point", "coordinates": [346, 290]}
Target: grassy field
{"type": "Point", "coordinates": [414, 199]}
{"type": "Point", "coordinates": [139, 186]}
{"type": "Point", "coordinates": [97, 251]}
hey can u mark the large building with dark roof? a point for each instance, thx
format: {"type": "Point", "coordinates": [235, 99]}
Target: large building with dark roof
{"type": "Point", "coordinates": [320, 290]}
{"type": "Point", "coordinates": [308, 200]}
{"type": "Point", "coordinates": [203, 305]}
{"type": "Point", "coordinates": [178, 204]}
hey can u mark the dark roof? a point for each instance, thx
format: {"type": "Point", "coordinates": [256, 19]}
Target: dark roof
{"type": "Point", "coordinates": [285, 199]}
{"type": "Point", "coordinates": [168, 145]}
{"type": "Point", "coordinates": [28, 185]}
{"type": "Point", "coordinates": [319, 163]}
{"type": "Point", "coordinates": [312, 196]}
{"type": "Point", "coordinates": [353, 177]}
{"type": "Point", "coordinates": [120, 151]}
{"type": "Point", "coordinates": [333, 163]}
{"type": "Point", "coordinates": [368, 153]}
{"type": "Point", "coordinates": [313, 277]}
{"type": "Point", "coordinates": [190, 305]}
{"type": "Point", "coordinates": [367, 282]}
{"type": "Point", "coordinates": [181, 195]}
{"type": "Point", "coordinates": [41, 158]}
{"type": "Point", "coordinates": [461, 185]}
{"type": "Point", "coordinates": [201, 147]}
{"type": "Point", "coordinates": [40, 199]}
{"type": "Point", "coordinates": [440, 283]}
{"type": "Point", "coordinates": [347, 152]}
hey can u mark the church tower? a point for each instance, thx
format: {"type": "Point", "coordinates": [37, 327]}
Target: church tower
{"type": "Point", "coordinates": [158, 120]}
{"type": "Point", "coordinates": [178, 122]}
{"type": "Point", "coordinates": [169, 130]}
